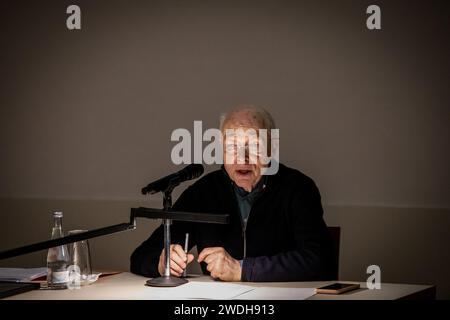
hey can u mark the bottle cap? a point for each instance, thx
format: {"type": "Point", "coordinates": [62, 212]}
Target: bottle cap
{"type": "Point", "coordinates": [57, 214]}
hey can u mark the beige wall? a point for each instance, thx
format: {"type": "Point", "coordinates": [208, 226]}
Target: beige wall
{"type": "Point", "coordinates": [89, 114]}
{"type": "Point", "coordinates": [86, 116]}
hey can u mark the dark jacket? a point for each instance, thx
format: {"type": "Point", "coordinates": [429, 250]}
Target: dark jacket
{"type": "Point", "coordinates": [286, 238]}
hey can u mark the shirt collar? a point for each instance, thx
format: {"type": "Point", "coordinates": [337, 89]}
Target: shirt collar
{"type": "Point", "coordinates": [255, 191]}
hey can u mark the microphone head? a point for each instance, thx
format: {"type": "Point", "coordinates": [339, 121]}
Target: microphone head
{"type": "Point", "coordinates": [192, 171]}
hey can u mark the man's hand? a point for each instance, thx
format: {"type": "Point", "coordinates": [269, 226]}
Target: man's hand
{"type": "Point", "coordinates": [221, 265]}
{"type": "Point", "coordinates": [178, 260]}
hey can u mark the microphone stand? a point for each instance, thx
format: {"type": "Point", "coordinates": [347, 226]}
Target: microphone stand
{"type": "Point", "coordinates": [166, 280]}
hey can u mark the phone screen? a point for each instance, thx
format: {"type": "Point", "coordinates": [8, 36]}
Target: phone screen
{"type": "Point", "coordinates": [337, 286]}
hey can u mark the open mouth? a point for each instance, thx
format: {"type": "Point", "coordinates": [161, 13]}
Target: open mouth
{"type": "Point", "coordinates": [244, 172]}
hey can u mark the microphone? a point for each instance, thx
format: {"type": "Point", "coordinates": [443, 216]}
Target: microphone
{"type": "Point", "coordinates": [190, 172]}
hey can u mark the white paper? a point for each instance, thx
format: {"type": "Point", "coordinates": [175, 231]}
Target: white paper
{"type": "Point", "coordinates": [21, 274]}
{"type": "Point", "coordinates": [268, 293]}
{"type": "Point", "coordinates": [202, 290]}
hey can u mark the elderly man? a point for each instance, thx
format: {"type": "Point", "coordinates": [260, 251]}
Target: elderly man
{"type": "Point", "coordinates": [276, 230]}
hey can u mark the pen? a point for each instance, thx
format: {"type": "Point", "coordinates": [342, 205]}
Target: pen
{"type": "Point", "coordinates": [186, 249]}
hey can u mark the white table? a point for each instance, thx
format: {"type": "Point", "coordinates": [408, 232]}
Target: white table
{"type": "Point", "coordinates": [127, 286]}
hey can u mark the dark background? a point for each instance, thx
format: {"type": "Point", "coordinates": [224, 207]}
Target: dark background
{"type": "Point", "coordinates": [86, 116]}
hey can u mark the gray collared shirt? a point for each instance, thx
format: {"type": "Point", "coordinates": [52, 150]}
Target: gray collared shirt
{"type": "Point", "coordinates": [245, 199]}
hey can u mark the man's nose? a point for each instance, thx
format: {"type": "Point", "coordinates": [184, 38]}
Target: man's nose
{"type": "Point", "coordinates": [247, 155]}
{"type": "Point", "coordinates": [245, 152]}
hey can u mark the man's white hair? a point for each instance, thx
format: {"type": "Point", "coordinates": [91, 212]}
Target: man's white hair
{"type": "Point", "coordinates": [261, 115]}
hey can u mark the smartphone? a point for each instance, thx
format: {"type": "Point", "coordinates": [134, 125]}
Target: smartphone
{"type": "Point", "coordinates": [337, 288]}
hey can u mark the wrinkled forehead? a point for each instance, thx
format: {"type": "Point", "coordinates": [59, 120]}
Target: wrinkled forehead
{"type": "Point", "coordinates": [244, 135]}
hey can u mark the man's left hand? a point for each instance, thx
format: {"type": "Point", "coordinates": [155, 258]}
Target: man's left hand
{"type": "Point", "coordinates": [220, 264]}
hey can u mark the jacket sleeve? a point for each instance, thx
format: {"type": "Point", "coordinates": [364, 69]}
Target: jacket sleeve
{"type": "Point", "coordinates": [145, 258]}
{"type": "Point", "coordinates": [310, 258]}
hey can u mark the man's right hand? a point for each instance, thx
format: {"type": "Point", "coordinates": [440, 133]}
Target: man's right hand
{"type": "Point", "coordinates": [178, 260]}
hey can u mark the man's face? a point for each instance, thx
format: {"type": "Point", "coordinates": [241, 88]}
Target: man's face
{"type": "Point", "coordinates": [240, 145]}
